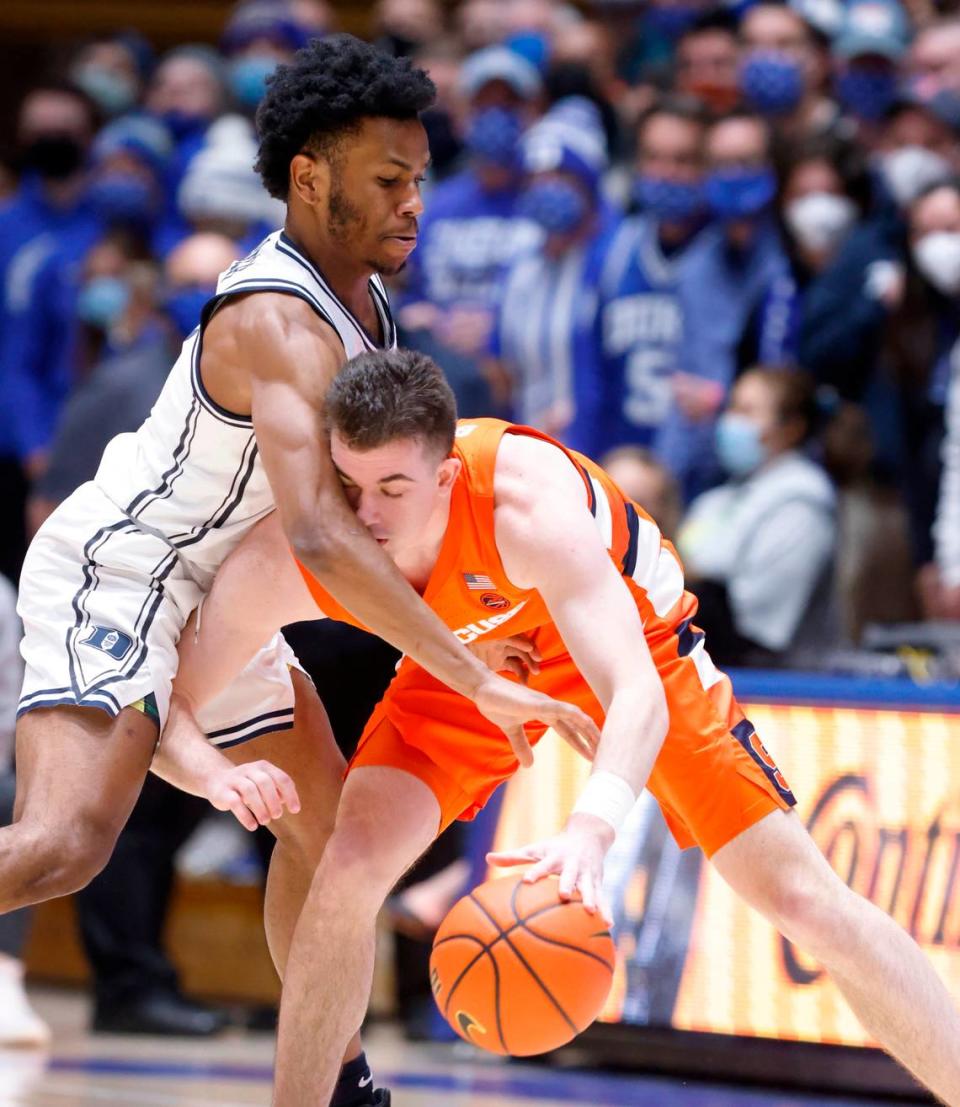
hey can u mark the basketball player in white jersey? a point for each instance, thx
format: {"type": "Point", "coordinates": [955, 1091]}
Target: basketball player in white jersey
{"type": "Point", "coordinates": [114, 574]}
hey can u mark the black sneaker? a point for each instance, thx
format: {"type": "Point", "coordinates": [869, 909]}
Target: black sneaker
{"type": "Point", "coordinates": [381, 1097]}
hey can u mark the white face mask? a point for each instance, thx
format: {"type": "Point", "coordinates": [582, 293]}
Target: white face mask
{"type": "Point", "coordinates": [910, 170]}
{"type": "Point", "coordinates": [820, 221]}
{"type": "Point", "coordinates": [938, 258]}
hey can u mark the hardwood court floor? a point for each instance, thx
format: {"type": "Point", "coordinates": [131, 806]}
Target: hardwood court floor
{"type": "Point", "coordinates": [234, 1071]}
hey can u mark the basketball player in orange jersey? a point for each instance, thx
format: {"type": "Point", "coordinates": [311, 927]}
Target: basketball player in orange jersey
{"type": "Point", "coordinates": [506, 534]}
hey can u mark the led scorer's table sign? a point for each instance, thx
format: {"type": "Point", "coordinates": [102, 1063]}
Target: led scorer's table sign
{"type": "Point", "coordinates": [879, 789]}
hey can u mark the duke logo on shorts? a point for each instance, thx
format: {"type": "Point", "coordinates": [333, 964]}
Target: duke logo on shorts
{"type": "Point", "coordinates": [111, 641]}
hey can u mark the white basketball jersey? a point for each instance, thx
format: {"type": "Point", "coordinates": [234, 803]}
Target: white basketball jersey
{"type": "Point", "coordinates": [192, 474]}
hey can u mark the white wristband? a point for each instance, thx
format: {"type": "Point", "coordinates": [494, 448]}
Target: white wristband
{"type": "Point", "coordinates": [607, 796]}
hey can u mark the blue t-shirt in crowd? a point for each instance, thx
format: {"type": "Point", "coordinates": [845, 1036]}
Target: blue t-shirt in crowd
{"type": "Point", "coordinates": [468, 239]}
{"type": "Point", "coordinates": [641, 328]}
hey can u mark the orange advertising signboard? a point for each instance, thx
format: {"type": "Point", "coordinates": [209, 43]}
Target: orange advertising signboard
{"type": "Point", "coordinates": [879, 791]}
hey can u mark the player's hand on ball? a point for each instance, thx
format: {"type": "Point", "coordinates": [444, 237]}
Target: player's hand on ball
{"type": "Point", "coordinates": [516, 654]}
{"type": "Point", "coordinates": [256, 793]}
{"type": "Point", "coordinates": [575, 854]}
{"type": "Point", "coordinates": [509, 705]}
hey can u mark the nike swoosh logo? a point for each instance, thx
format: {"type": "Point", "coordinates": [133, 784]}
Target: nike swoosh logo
{"type": "Point", "coordinates": [365, 1081]}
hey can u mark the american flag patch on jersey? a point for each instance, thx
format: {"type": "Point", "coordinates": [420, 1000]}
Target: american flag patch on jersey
{"type": "Point", "coordinates": [478, 582]}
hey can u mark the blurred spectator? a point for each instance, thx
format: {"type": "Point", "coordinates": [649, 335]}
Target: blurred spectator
{"type": "Point", "coordinates": [824, 192]}
{"type": "Point", "coordinates": [546, 336]}
{"type": "Point", "coordinates": [441, 58]}
{"type": "Point", "coordinates": [112, 71]}
{"type": "Point", "coordinates": [707, 63]}
{"type": "Point", "coordinates": [143, 324]}
{"type": "Point", "coordinates": [49, 214]}
{"type": "Point", "coordinates": [737, 296]}
{"type": "Point", "coordinates": [640, 317]}
{"type": "Point", "coordinates": [129, 164]}
{"type": "Point", "coordinates": [759, 549]}
{"type": "Point", "coordinates": [784, 69]}
{"type": "Point", "coordinates": [872, 42]}
{"type": "Point", "coordinates": [479, 23]}
{"type": "Point", "coordinates": [582, 62]}
{"type": "Point", "coordinates": [845, 312]}
{"type": "Point", "coordinates": [187, 92]}
{"type": "Point", "coordinates": [403, 26]}
{"type": "Point", "coordinates": [256, 38]}
{"type": "Point", "coordinates": [221, 192]}
{"type": "Point", "coordinates": [921, 339]}
{"type": "Point", "coordinates": [641, 477]}
{"type": "Point", "coordinates": [470, 232]}
{"type": "Point", "coordinates": [20, 1025]}
{"type": "Point", "coordinates": [934, 60]}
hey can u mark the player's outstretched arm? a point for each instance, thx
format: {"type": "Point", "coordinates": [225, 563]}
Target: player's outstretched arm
{"type": "Point", "coordinates": [291, 357]}
{"type": "Point", "coordinates": [548, 540]}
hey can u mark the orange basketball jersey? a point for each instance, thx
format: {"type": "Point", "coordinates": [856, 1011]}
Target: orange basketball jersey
{"type": "Point", "coordinates": [469, 589]}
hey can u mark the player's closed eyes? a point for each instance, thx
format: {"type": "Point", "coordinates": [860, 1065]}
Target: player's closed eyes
{"type": "Point", "coordinates": [391, 495]}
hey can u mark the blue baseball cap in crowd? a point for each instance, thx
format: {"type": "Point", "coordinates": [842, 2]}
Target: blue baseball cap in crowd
{"type": "Point", "coordinates": [875, 27]}
{"type": "Point", "coordinates": [142, 136]}
{"type": "Point", "coordinates": [500, 63]}
{"type": "Point", "coordinates": [568, 139]}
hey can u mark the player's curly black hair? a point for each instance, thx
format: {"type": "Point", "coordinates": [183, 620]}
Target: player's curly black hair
{"type": "Point", "coordinates": [325, 91]}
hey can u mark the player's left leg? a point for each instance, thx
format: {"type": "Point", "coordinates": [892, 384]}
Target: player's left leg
{"type": "Point", "coordinates": [386, 819]}
{"type": "Point", "coordinates": [777, 868]}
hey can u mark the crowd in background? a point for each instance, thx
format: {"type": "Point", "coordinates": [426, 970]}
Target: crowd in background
{"type": "Point", "coordinates": [714, 245]}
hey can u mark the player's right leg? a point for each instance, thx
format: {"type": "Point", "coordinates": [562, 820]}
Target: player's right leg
{"type": "Point", "coordinates": [79, 773]}
{"type": "Point", "coordinates": [386, 819]}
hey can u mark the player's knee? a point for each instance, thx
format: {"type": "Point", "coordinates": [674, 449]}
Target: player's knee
{"type": "Point", "coordinates": [77, 854]}
{"type": "Point", "coordinates": [804, 907]}
{"type": "Point", "coordinates": [360, 863]}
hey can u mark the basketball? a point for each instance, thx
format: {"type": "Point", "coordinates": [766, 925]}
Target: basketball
{"type": "Point", "coordinates": [516, 970]}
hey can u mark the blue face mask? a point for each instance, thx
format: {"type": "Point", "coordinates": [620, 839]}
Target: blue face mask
{"type": "Point", "coordinates": [184, 307]}
{"type": "Point", "coordinates": [557, 206]}
{"type": "Point", "coordinates": [183, 125]}
{"type": "Point", "coordinates": [739, 193]}
{"type": "Point", "coordinates": [738, 444]}
{"type": "Point", "coordinates": [102, 301]}
{"type": "Point", "coordinates": [771, 82]}
{"type": "Point", "coordinates": [493, 135]}
{"type": "Point", "coordinates": [867, 93]}
{"type": "Point", "coordinates": [123, 198]}
{"type": "Point", "coordinates": [670, 22]}
{"type": "Point", "coordinates": [248, 78]}
{"type": "Point", "coordinates": [669, 201]}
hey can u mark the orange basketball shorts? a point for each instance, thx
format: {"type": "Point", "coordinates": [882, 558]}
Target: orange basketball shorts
{"type": "Point", "coordinates": [713, 777]}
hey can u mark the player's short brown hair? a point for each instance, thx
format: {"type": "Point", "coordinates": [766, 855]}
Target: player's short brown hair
{"type": "Point", "coordinates": [385, 395]}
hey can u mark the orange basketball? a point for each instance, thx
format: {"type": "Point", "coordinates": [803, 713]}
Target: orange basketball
{"type": "Point", "coordinates": [516, 970]}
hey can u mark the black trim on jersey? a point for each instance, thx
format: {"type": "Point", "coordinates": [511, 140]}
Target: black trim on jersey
{"type": "Point", "coordinates": [591, 494]}
{"type": "Point", "coordinates": [272, 729]}
{"type": "Point", "coordinates": [286, 246]}
{"type": "Point", "coordinates": [231, 501]}
{"type": "Point", "coordinates": [633, 529]}
{"type": "Point", "coordinates": [688, 638]}
{"type": "Point", "coordinates": [283, 711]}
{"type": "Point", "coordinates": [112, 709]}
{"type": "Point", "coordinates": [180, 454]}
{"type": "Point", "coordinates": [231, 418]}
{"type": "Point", "coordinates": [386, 315]}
